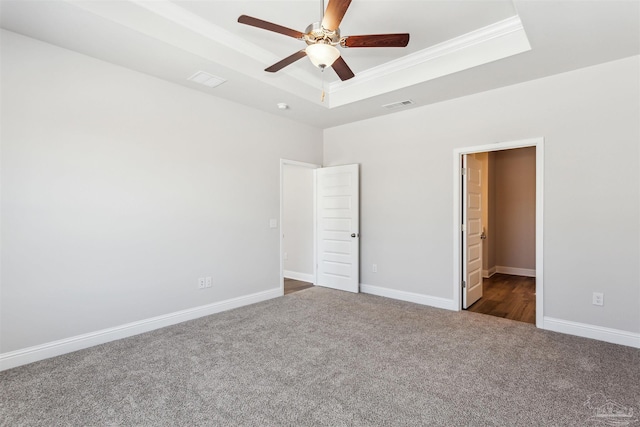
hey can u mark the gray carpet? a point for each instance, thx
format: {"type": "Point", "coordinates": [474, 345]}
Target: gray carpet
{"type": "Point", "coordinates": [323, 357]}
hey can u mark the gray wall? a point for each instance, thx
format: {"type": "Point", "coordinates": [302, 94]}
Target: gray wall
{"type": "Point", "coordinates": [119, 190]}
{"type": "Point", "coordinates": [590, 119]}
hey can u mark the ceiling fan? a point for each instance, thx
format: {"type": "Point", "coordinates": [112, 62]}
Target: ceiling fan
{"type": "Point", "coordinates": [323, 37]}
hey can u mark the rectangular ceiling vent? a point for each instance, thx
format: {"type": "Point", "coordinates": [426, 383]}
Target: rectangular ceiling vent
{"type": "Point", "coordinates": [399, 104]}
{"type": "Point", "coordinates": [206, 79]}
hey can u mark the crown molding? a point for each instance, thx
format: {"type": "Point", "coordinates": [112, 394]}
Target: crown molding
{"type": "Point", "coordinates": [496, 41]}
{"type": "Point", "coordinates": [482, 35]}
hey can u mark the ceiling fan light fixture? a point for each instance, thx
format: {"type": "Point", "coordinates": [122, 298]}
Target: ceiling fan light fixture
{"type": "Point", "coordinates": [323, 37]}
{"type": "Point", "coordinates": [322, 54]}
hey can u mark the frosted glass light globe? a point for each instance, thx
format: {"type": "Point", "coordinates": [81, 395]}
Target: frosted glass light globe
{"type": "Point", "coordinates": [322, 55]}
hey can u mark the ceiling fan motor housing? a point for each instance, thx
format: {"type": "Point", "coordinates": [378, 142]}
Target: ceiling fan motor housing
{"type": "Point", "coordinates": [315, 33]}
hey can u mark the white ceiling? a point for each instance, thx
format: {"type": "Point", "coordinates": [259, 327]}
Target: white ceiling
{"type": "Point", "coordinates": [457, 47]}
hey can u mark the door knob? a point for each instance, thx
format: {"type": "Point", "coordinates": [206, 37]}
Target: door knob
{"type": "Point", "coordinates": [353, 234]}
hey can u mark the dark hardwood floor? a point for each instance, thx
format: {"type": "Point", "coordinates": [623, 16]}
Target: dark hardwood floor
{"type": "Point", "coordinates": [291, 285]}
{"type": "Point", "coordinates": [511, 297]}
{"type": "Point", "coordinates": [503, 295]}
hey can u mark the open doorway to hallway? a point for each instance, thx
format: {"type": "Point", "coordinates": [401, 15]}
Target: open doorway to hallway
{"type": "Point", "coordinates": [297, 225]}
{"type": "Point", "coordinates": [499, 240]}
{"type": "Point", "coordinates": [508, 194]}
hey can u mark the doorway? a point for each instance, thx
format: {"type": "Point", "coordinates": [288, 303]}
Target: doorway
{"type": "Point", "coordinates": [506, 282]}
{"type": "Point", "coordinates": [505, 271]}
{"type": "Point", "coordinates": [297, 219]}
{"type": "Point", "coordinates": [320, 220]}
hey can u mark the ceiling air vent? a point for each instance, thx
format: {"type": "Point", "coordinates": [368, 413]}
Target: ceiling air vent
{"type": "Point", "coordinates": [399, 104]}
{"type": "Point", "coordinates": [206, 79]}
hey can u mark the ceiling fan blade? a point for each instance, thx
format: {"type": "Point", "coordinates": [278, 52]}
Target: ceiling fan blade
{"type": "Point", "coordinates": [265, 25]}
{"type": "Point", "coordinates": [342, 69]}
{"type": "Point", "coordinates": [334, 14]}
{"type": "Point", "coordinates": [286, 61]}
{"type": "Point", "coordinates": [377, 40]}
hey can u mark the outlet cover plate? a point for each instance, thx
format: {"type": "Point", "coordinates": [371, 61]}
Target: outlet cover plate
{"type": "Point", "coordinates": [598, 298]}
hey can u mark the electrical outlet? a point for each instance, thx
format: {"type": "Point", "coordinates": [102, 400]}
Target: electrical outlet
{"type": "Point", "coordinates": [374, 268]}
{"type": "Point", "coordinates": [208, 282]}
{"type": "Point", "coordinates": [201, 283]}
{"type": "Point", "coordinates": [598, 298]}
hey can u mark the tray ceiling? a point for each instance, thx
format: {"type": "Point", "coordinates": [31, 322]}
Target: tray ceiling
{"type": "Point", "coordinates": [456, 47]}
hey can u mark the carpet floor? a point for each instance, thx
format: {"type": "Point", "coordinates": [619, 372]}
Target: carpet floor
{"type": "Point", "coordinates": [330, 358]}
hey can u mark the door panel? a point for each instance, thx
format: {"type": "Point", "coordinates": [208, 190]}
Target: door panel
{"type": "Point", "coordinates": [471, 240]}
{"type": "Point", "coordinates": [338, 232]}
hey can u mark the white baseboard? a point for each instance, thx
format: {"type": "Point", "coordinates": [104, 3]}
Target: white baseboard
{"type": "Point", "coordinates": [56, 348]}
{"type": "Point", "coordinates": [600, 333]}
{"type": "Point", "coordinates": [528, 272]}
{"type": "Point", "coordinates": [447, 304]}
{"type": "Point", "coordinates": [298, 276]}
{"type": "Point", "coordinates": [488, 273]}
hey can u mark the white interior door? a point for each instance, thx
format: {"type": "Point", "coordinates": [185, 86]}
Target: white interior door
{"type": "Point", "coordinates": [472, 230]}
{"type": "Point", "coordinates": [338, 227]}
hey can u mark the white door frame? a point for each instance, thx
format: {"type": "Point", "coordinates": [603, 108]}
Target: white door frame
{"type": "Point", "coordinates": [538, 143]}
{"type": "Point", "coordinates": [284, 162]}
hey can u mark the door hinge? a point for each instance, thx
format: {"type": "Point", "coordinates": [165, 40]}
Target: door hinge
{"type": "Point", "coordinates": [462, 227]}
{"type": "Point", "coordinates": [464, 284]}
{"type": "Point", "coordinates": [464, 171]}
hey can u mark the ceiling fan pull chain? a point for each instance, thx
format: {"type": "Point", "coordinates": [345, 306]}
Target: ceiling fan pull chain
{"type": "Point", "coordinates": [322, 79]}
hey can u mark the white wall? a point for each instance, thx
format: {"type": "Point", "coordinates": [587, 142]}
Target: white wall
{"type": "Point", "coordinates": [119, 190]}
{"type": "Point", "coordinates": [297, 222]}
{"type": "Point", "coordinates": [590, 119]}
